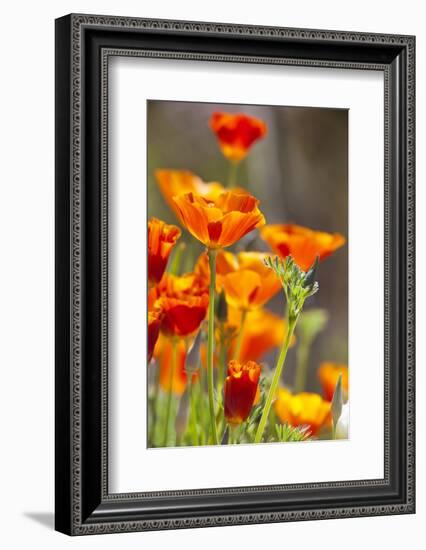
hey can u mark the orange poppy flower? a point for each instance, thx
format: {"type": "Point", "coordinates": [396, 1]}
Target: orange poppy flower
{"type": "Point", "coordinates": [236, 133]}
{"type": "Point", "coordinates": [164, 355]}
{"type": "Point", "coordinates": [178, 182]}
{"type": "Point", "coordinates": [303, 244]}
{"type": "Point", "coordinates": [303, 409]}
{"type": "Point", "coordinates": [240, 390]}
{"type": "Point", "coordinates": [328, 374]}
{"type": "Point", "coordinates": [262, 332]}
{"type": "Point", "coordinates": [161, 240]}
{"type": "Point", "coordinates": [154, 323]}
{"type": "Point", "coordinates": [183, 301]}
{"type": "Point", "coordinates": [220, 222]}
{"type": "Point", "coordinates": [252, 284]}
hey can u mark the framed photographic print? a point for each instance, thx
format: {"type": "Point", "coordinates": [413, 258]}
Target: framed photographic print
{"type": "Point", "coordinates": [234, 274]}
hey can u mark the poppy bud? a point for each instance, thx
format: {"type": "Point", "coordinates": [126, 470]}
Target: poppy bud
{"type": "Point", "coordinates": [161, 240]}
{"type": "Point", "coordinates": [311, 274]}
{"type": "Point", "coordinates": [240, 390]}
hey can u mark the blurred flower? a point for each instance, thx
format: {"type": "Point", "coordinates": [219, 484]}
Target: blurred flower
{"type": "Point", "coordinates": [178, 182]}
{"type": "Point", "coordinates": [247, 281]}
{"type": "Point", "coordinates": [240, 390]}
{"type": "Point", "coordinates": [161, 240]}
{"type": "Point", "coordinates": [328, 374]}
{"type": "Point", "coordinates": [164, 354]}
{"type": "Point", "coordinates": [220, 222]}
{"type": "Point", "coordinates": [262, 332]}
{"type": "Point", "coordinates": [236, 133]}
{"type": "Point", "coordinates": [303, 244]}
{"type": "Point", "coordinates": [154, 323]}
{"type": "Point", "coordinates": [252, 283]}
{"type": "Point", "coordinates": [221, 308]}
{"type": "Point", "coordinates": [302, 409]}
{"type": "Point", "coordinates": [183, 300]}
{"type": "Point", "coordinates": [226, 262]}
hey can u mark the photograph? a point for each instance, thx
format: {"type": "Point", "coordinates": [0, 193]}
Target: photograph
{"type": "Point", "coordinates": [247, 294]}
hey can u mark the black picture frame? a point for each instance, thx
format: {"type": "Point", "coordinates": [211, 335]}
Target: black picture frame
{"type": "Point", "coordinates": [83, 45]}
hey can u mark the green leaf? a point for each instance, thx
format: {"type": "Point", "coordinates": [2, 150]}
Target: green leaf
{"type": "Point", "coordinates": [297, 285]}
{"type": "Point", "coordinates": [286, 433]}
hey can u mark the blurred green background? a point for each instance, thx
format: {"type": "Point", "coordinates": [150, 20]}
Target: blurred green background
{"type": "Point", "coordinates": [299, 172]}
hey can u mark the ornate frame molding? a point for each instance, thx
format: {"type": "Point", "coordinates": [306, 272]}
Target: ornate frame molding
{"type": "Point", "coordinates": [73, 48]}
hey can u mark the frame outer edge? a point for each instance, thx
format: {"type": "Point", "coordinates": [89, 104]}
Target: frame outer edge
{"type": "Point", "coordinates": [63, 495]}
{"type": "Point", "coordinates": [77, 23]}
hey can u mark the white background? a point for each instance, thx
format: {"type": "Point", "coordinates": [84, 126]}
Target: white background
{"type": "Point", "coordinates": [132, 466]}
{"type": "Point", "coordinates": [26, 300]}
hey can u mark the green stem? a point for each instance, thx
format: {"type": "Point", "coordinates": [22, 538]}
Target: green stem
{"type": "Point", "coordinates": [302, 366]}
{"type": "Point", "coordinates": [200, 406]}
{"type": "Point", "coordinates": [154, 406]}
{"type": "Point", "coordinates": [210, 344]}
{"type": "Point", "coordinates": [240, 335]}
{"type": "Point", "coordinates": [177, 259]}
{"type": "Point", "coordinates": [222, 364]}
{"type": "Point", "coordinates": [193, 412]}
{"type": "Point", "coordinates": [169, 396]}
{"type": "Point", "coordinates": [333, 430]}
{"type": "Point", "coordinates": [232, 177]}
{"type": "Point", "coordinates": [276, 378]}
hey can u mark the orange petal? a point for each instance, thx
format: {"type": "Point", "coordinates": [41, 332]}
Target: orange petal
{"type": "Point", "coordinates": [193, 217]}
{"type": "Point", "coordinates": [237, 224]}
{"type": "Point", "coordinates": [240, 287]}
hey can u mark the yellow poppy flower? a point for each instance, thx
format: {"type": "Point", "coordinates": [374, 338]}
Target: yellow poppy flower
{"type": "Point", "coordinates": [303, 409]}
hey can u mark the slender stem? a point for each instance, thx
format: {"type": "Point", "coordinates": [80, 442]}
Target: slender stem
{"type": "Point", "coordinates": [192, 412]}
{"type": "Point", "coordinates": [177, 259]}
{"type": "Point", "coordinates": [222, 364]}
{"type": "Point", "coordinates": [276, 378]}
{"type": "Point", "coordinates": [154, 405]}
{"type": "Point", "coordinates": [232, 177]}
{"type": "Point", "coordinates": [210, 344]}
{"type": "Point", "coordinates": [333, 430]}
{"type": "Point", "coordinates": [203, 436]}
{"type": "Point", "coordinates": [240, 335]}
{"type": "Point", "coordinates": [302, 365]}
{"type": "Point", "coordinates": [169, 395]}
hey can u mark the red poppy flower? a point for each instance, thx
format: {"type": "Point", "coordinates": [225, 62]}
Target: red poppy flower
{"type": "Point", "coordinates": [236, 133]}
{"type": "Point", "coordinates": [240, 390]}
{"type": "Point", "coordinates": [161, 240]}
{"type": "Point", "coordinates": [183, 301]}
{"type": "Point", "coordinates": [154, 323]}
